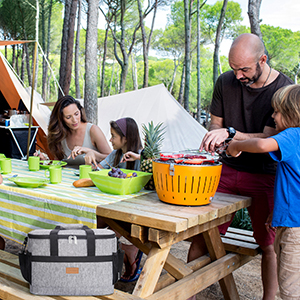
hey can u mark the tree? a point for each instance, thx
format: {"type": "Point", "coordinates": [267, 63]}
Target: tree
{"type": "Point", "coordinates": [77, 85]}
{"type": "Point", "coordinates": [123, 15]}
{"type": "Point", "coordinates": [253, 13]}
{"type": "Point", "coordinates": [187, 55]}
{"type": "Point", "coordinates": [66, 57]}
{"type": "Point", "coordinates": [218, 41]}
{"type": "Point", "coordinates": [91, 65]}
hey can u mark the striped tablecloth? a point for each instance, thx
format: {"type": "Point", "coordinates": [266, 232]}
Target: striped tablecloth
{"type": "Point", "coordinates": [25, 209]}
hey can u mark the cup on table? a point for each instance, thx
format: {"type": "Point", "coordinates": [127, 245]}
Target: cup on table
{"type": "Point", "coordinates": [5, 165]}
{"type": "Point", "coordinates": [55, 174]}
{"type": "Point", "coordinates": [84, 171]}
{"type": "Point", "coordinates": [33, 163]}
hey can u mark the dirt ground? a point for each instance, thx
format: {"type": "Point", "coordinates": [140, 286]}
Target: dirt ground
{"type": "Point", "coordinates": [247, 278]}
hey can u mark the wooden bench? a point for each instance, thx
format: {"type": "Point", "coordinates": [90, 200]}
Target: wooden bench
{"type": "Point", "coordinates": [14, 287]}
{"type": "Point", "coordinates": [240, 241]}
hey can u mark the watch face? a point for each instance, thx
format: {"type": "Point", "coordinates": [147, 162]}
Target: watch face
{"type": "Point", "coordinates": [231, 132]}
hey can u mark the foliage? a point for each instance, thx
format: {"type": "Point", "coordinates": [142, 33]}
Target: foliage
{"type": "Point", "coordinates": [242, 220]}
{"type": "Point", "coordinates": [283, 48]}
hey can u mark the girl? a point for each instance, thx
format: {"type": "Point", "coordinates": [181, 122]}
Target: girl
{"type": "Point", "coordinates": [71, 137]}
{"type": "Point", "coordinates": [125, 138]}
{"type": "Point", "coordinates": [283, 148]}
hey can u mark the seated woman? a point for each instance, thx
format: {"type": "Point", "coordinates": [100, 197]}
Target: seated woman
{"type": "Point", "coordinates": [71, 138]}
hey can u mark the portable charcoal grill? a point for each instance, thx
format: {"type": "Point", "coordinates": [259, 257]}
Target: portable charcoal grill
{"type": "Point", "coordinates": [178, 181]}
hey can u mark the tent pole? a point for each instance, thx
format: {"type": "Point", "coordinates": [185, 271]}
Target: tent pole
{"type": "Point", "coordinates": [31, 99]}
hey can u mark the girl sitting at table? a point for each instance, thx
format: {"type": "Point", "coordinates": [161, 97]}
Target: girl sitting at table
{"type": "Point", "coordinates": [71, 138]}
{"type": "Point", "coordinates": [125, 137]}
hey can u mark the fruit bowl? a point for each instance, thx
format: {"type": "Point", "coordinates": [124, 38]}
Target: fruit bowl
{"type": "Point", "coordinates": [119, 186]}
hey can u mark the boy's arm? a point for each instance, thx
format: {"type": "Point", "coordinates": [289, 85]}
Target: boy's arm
{"type": "Point", "coordinates": [255, 145]}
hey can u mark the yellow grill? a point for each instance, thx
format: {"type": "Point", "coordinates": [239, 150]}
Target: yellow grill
{"type": "Point", "coordinates": [186, 185]}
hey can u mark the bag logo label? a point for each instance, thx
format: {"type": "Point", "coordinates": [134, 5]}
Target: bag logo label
{"type": "Point", "coordinates": [72, 270]}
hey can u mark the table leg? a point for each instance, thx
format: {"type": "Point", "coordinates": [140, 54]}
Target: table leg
{"type": "Point", "coordinates": [216, 250]}
{"type": "Point", "coordinates": [148, 279]}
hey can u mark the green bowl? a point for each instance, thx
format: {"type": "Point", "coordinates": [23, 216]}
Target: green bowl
{"type": "Point", "coordinates": [119, 186]}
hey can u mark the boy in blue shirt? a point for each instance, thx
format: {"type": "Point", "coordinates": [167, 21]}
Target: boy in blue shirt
{"type": "Point", "coordinates": [285, 149]}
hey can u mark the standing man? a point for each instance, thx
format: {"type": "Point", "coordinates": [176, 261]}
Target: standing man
{"type": "Point", "coordinates": [241, 109]}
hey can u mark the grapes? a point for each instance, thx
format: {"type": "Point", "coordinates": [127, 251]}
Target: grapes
{"type": "Point", "coordinates": [118, 173]}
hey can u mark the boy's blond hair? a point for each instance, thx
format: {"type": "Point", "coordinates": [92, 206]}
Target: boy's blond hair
{"type": "Point", "coordinates": [286, 100]}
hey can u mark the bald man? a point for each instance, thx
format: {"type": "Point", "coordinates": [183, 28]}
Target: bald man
{"type": "Point", "coordinates": [241, 109]}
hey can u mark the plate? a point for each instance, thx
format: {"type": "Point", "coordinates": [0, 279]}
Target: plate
{"type": "Point", "coordinates": [45, 164]}
{"type": "Point", "coordinates": [29, 182]}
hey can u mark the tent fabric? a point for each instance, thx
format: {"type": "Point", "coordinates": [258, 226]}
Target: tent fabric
{"type": "Point", "coordinates": [13, 91]}
{"type": "Point", "coordinates": [153, 104]}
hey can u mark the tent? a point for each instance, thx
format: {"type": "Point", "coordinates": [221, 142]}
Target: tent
{"type": "Point", "coordinates": [13, 91]}
{"type": "Point", "coordinates": [153, 104]}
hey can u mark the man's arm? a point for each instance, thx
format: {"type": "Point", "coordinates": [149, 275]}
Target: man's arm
{"type": "Point", "coordinates": [218, 134]}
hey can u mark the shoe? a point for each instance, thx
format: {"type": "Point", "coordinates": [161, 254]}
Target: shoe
{"type": "Point", "coordinates": [138, 270]}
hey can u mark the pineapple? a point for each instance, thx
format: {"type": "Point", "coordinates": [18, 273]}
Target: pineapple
{"type": "Point", "coordinates": [153, 137]}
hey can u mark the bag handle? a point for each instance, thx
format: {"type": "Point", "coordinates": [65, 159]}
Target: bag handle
{"type": "Point", "coordinates": [90, 235]}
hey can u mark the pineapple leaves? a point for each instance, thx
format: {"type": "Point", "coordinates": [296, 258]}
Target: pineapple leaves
{"type": "Point", "coordinates": [153, 138]}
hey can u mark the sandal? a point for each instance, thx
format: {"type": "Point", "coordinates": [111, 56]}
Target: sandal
{"type": "Point", "coordinates": [137, 271]}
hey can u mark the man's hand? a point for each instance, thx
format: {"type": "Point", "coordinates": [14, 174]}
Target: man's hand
{"type": "Point", "coordinates": [213, 139]}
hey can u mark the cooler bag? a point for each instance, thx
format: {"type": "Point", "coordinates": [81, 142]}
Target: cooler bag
{"type": "Point", "coordinates": [72, 260]}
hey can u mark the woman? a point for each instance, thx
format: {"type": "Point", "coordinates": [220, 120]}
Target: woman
{"type": "Point", "coordinates": [71, 138]}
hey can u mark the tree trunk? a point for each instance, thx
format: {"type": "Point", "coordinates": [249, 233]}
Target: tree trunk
{"type": "Point", "coordinates": [44, 77]}
{"type": "Point", "coordinates": [198, 64]}
{"type": "Point", "coordinates": [174, 74]}
{"type": "Point", "coordinates": [91, 65]}
{"type": "Point", "coordinates": [187, 25]}
{"type": "Point", "coordinates": [48, 51]}
{"type": "Point", "coordinates": [180, 96]}
{"type": "Point", "coordinates": [104, 62]}
{"type": "Point", "coordinates": [77, 85]}
{"type": "Point", "coordinates": [253, 13]}
{"type": "Point", "coordinates": [146, 44]}
{"type": "Point", "coordinates": [64, 46]}
{"type": "Point", "coordinates": [23, 64]}
{"type": "Point", "coordinates": [111, 78]}
{"type": "Point", "coordinates": [218, 42]}
{"type": "Point", "coordinates": [134, 72]}
{"type": "Point", "coordinates": [69, 57]}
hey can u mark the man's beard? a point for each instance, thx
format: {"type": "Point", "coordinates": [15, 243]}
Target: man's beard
{"type": "Point", "coordinates": [256, 76]}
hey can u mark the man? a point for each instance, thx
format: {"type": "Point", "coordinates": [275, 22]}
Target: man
{"type": "Point", "coordinates": [241, 109]}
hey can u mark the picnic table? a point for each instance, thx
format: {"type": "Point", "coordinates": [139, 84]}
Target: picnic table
{"type": "Point", "coordinates": [151, 225]}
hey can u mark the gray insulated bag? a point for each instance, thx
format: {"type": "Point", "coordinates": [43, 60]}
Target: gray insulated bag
{"type": "Point", "coordinates": [71, 260]}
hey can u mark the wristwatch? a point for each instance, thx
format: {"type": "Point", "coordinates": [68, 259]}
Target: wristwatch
{"type": "Point", "coordinates": [231, 132]}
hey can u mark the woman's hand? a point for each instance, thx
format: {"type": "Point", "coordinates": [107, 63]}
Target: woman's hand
{"type": "Point", "coordinates": [41, 155]}
{"type": "Point", "coordinates": [130, 156]}
{"type": "Point", "coordinates": [78, 150]}
{"type": "Point", "coordinates": [90, 158]}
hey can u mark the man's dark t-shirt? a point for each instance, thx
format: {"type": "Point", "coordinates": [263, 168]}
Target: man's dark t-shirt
{"type": "Point", "coordinates": [247, 110]}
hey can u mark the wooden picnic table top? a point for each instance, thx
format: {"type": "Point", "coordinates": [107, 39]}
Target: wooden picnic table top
{"type": "Point", "coordinates": [148, 210]}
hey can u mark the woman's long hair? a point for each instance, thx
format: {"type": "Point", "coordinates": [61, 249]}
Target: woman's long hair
{"type": "Point", "coordinates": [133, 140]}
{"type": "Point", "coordinates": [57, 129]}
